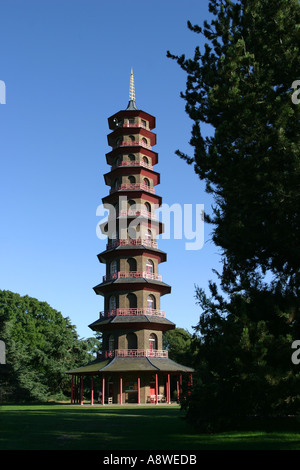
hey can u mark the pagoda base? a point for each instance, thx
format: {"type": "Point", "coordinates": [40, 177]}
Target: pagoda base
{"type": "Point", "coordinates": [129, 380]}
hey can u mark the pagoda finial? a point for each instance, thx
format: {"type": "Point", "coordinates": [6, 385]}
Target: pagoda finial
{"type": "Point", "coordinates": [131, 104]}
{"type": "Point", "coordinates": [131, 87]}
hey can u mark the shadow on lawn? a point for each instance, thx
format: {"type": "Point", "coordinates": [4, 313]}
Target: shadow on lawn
{"type": "Point", "coordinates": [67, 427]}
{"type": "Point", "coordinates": [71, 427]}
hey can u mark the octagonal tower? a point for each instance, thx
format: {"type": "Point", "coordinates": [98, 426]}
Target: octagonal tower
{"type": "Point", "coordinates": [133, 366]}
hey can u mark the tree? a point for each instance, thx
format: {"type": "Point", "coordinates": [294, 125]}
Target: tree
{"type": "Point", "coordinates": [41, 345]}
{"type": "Point", "coordinates": [179, 343]}
{"type": "Point", "coordinates": [244, 359]}
{"type": "Point", "coordinates": [241, 85]}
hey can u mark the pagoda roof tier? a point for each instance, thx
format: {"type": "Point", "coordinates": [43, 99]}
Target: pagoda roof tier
{"type": "Point", "coordinates": [126, 364]}
{"type": "Point", "coordinates": [132, 170]}
{"type": "Point", "coordinates": [131, 194]}
{"type": "Point", "coordinates": [129, 321]}
{"type": "Point", "coordinates": [91, 368]}
{"type": "Point", "coordinates": [110, 156]}
{"type": "Point", "coordinates": [132, 284]}
{"type": "Point", "coordinates": [161, 256]}
{"type": "Point", "coordinates": [130, 114]}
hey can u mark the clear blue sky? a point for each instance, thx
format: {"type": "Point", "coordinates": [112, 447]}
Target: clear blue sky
{"type": "Point", "coordinates": [66, 65]}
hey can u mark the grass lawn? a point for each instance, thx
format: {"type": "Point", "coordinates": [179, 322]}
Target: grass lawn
{"type": "Point", "coordinates": [66, 427]}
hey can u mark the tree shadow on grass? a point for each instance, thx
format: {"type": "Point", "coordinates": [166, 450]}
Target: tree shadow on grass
{"type": "Point", "coordinates": [123, 428]}
{"type": "Point", "coordinates": [91, 428]}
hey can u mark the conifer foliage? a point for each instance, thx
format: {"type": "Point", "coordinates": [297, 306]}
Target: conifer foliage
{"type": "Point", "coordinates": [240, 84]}
{"type": "Point", "coordinates": [41, 345]}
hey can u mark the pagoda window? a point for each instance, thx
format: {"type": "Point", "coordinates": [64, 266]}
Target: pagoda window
{"type": "Point", "coordinates": [148, 235]}
{"type": "Point", "coordinates": [131, 203]}
{"type": "Point", "coordinates": [114, 234]}
{"type": "Point", "coordinates": [144, 141]}
{"type": "Point", "coordinates": [138, 231]}
{"type": "Point", "coordinates": [132, 300]}
{"type": "Point", "coordinates": [148, 207]}
{"type": "Point", "coordinates": [145, 160]}
{"type": "Point", "coordinates": [113, 268]}
{"type": "Point", "coordinates": [112, 303]}
{"type": "Point", "coordinates": [131, 179]}
{"type": "Point", "coordinates": [134, 230]}
{"type": "Point", "coordinates": [111, 343]}
{"type": "Point", "coordinates": [131, 341]}
{"type": "Point", "coordinates": [149, 266]}
{"type": "Point", "coordinates": [146, 182]}
{"type": "Point", "coordinates": [131, 207]}
{"type": "Point", "coordinates": [118, 161]}
{"type": "Point", "coordinates": [131, 263]}
{"type": "Point", "coordinates": [116, 183]}
{"type": "Point", "coordinates": [151, 302]}
{"type": "Point", "coordinates": [131, 157]}
{"type": "Point", "coordinates": [114, 210]}
{"type": "Point", "coordinates": [131, 137]}
{"type": "Point", "coordinates": [152, 342]}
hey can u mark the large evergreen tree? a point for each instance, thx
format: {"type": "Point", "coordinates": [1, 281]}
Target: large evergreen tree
{"type": "Point", "coordinates": [241, 85]}
{"type": "Point", "coordinates": [180, 346]}
{"type": "Point", "coordinates": [41, 345]}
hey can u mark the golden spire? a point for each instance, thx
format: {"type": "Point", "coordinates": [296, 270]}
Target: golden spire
{"type": "Point", "coordinates": [131, 105]}
{"type": "Point", "coordinates": [131, 88]}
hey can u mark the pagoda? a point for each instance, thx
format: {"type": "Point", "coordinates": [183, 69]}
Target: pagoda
{"type": "Point", "coordinates": [132, 367]}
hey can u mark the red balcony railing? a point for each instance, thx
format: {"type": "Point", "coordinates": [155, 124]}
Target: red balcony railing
{"type": "Point", "coordinates": [134, 124]}
{"type": "Point", "coordinates": [137, 213]}
{"type": "Point", "coordinates": [135, 353]}
{"type": "Point", "coordinates": [131, 241]}
{"type": "Point", "coordinates": [133, 186]}
{"type": "Point", "coordinates": [132, 311]}
{"type": "Point", "coordinates": [133, 143]}
{"type": "Point", "coordinates": [133, 163]}
{"type": "Point", "coordinates": [132, 275]}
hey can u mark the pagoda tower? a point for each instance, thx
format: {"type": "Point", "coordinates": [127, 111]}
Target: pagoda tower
{"type": "Point", "coordinates": [133, 367]}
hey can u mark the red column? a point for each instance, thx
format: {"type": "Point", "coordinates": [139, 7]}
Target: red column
{"type": "Point", "coordinates": [156, 388]}
{"type": "Point", "coordinates": [180, 384]}
{"type": "Point", "coordinates": [169, 390]}
{"type": "Point", "coordinates": [167, 398]}
{"type": "Point", "coordinates": [121, 391]}
{"type": "Point", "coordinates": [92, 391]}
{"type": "Point", "coordinates": [139, 390]}
{"type": "Point", "coordinates": [190, 383]}
{"type": "Point", "coordinates": [103, 389]}
{"type": "Point", "coordinates": [81, 393]}
{"type": "Point", "coordinates": [72, 389]}
{"type": "Point", "coordinates": [76, 389]}
{"type": "Point", "coordinates": [177, 386]}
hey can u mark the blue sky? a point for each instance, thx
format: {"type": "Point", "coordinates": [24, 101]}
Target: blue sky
{"type": "Point", "coordinates": [66, 66]}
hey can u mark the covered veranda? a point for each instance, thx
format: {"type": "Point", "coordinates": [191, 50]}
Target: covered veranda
{"type": "Point", "coordinates": [130, 380]}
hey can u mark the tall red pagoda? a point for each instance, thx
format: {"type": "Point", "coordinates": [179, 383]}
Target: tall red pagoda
{"type": "Point", "coordinates": [132, 367]}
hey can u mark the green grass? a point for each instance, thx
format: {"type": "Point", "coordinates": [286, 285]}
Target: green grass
{"type": "Point", "coordinates": [52, 427]}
